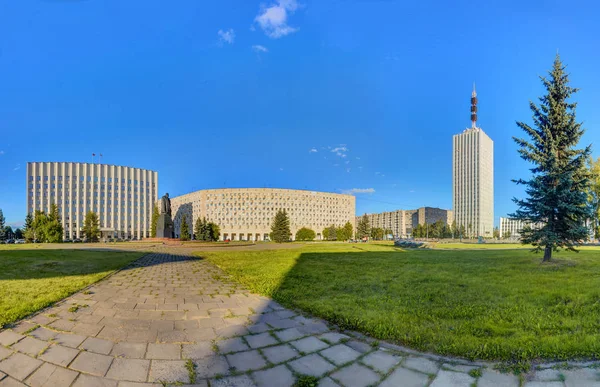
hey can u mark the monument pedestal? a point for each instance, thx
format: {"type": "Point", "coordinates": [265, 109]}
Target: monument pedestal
{"type": "Point", "coordinates": [164, 227]}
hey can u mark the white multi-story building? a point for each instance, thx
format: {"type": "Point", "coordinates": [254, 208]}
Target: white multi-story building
{"type": "Point", "coordinates": [511, 228]}
{"type": "Point", "coordinates": [473, 178]}
{"type": "Point", "coordinates": [123, 197]}
{"type": "Point", "coordinates": [247, 213]}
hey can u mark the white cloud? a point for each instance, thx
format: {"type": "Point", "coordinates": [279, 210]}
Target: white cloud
{"type": "Point", "coordinates": [1, 152]}
{"type": "Point", "coordinates": [347, 161]}
{"type": "Point", "coordinates": [348, 170]}
{"type": "Point", "coordinates": [313, 150]}
{"type": "Point", "coordinates": [259, 48]}
{"type": "Point", "coordinates": [17, 167]}
{"type": "Point", "coordinates": [412, 190]}
{"type": "Point", "coordinates": [354, 191]}
{"type": "Point", "coordinates": [340, 150]}
{"type": "Point", "coordinates": [273, 19]}
{"type": "Point", "coordinates": [226, 36]}
{"type": "Point", "coordinates": [281, 169]}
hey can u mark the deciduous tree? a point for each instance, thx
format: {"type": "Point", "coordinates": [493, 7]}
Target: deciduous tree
{"type": "Point", "coordinates": [305, 234]}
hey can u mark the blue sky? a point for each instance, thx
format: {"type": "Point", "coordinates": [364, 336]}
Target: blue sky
{"type": "Point", "coordinates": [237, 93]}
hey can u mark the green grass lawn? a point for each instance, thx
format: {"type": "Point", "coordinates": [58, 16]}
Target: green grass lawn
{"type": "Point", "coordinates": [479, 304]}
{"type": "Point", "coordinates": [32, 279]}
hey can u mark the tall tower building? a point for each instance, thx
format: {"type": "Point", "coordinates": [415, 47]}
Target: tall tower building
{"type": "Point", "coordinates": [473, 178]}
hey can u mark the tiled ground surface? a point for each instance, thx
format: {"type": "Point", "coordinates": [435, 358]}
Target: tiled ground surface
{"type": "Point", "coordinates": [171, 319]}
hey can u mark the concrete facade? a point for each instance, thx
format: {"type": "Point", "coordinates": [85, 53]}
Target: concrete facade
{"type": "Point", "coordinates": [402, 222]}
{"type": "Point", "coordinates": [123, 197]}
{"type": "Point", "coordinates": [247, 213]}
{"type": "Point", "coordinates": [473, 182]}
{"type": "Point", "coordinates": [512, 227]}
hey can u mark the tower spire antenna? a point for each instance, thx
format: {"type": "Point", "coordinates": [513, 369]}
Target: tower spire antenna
{"type": "Point", "coordinates": [473, 108]}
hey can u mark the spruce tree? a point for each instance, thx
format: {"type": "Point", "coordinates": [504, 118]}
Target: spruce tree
{"type": "Point", "coordinates": [54, 229]}
{"type": "Point", "coordinates": [280, 229]}
{"type": "Point", "coordinates": [2, 230]}
{"type": "Point", "coordinates": [184, 234]}
{"type": "Point", "coordinates": [28, 230]}
{"type": "Point", "coordinates": [363, 229]}
{"type": "Point", "coordinates": [91, 227]}
{"type": "Point", "coordinates": [154, 221]}
{"type": "Point", "coordinates": [557, 191]}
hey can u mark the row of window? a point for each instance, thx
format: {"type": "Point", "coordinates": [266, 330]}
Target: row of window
{"type": "Point", "coordinates": [89, 179]}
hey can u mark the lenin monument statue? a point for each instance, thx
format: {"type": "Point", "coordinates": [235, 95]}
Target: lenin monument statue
{"type": "Point", "coordinates": [164, 226]}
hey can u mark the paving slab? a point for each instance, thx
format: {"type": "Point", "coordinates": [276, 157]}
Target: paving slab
{"type": "Point", "coordinates": [309, 344]}
{"type": "Point", "coordinates": [261, 340]}
{"type": "Point", "coordinates": [211, 366]}
{"type": "Point", "coordinates": [340, 354]}
{"type": "Point", "coordinates": [135, 370]}
{"type": "Point", "coordinates": [355, 375]}
{"type": "Point", "coordinates": [84, 380]}
{"type": "Point", "coordinates": [491, 378]}
{"type": "Point", "coordinates": [446, 378]}
{"type": "Point", "coordinates": [280, 353]}
{"type": "Point", "coordinates": [245, 361]}
{"type": "Point", "coordinates": [421, 364]}
{"type": "Point", "coordinates": [235, 344]}
{"type": "Point", "coordinates": [49, 375]}
{"type": "Point", "coordinates": [129, 350]}
{"type": "Point", "coordinates": [31, 346]}
{"type": "Point", "coordinates": [19, 366]}
{"type": "Point", "coordinates": [313, 365]}
{"type": "Point", "coordinates": [233, 381]}
{"type": "Point", "coordinates": [382, 361]}
{"type": "Point", "coordinates": [62, 356]}
{"type": "Point", "coordinates": [170, 371]}
{"type": "Point", "coordinates": [276, 376]}
{"type": "Point", "coordinates": [163, 351]}
{"type": "Point", "coordinates": [405, 378]}
{"type": "Point", "coordinates": [91, 363]}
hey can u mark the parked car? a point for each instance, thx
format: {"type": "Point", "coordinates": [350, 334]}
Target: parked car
{"type": "Point", "coordinates": [19, 241]}
{"type": "Point", "coordinates": [10, 241]}
{"type": "Point", "coordinates": [76, 240]}
{"type": "Point", "coordinates": [66, 240]}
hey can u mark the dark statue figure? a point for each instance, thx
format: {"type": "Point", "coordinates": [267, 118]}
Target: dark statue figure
{"type": "Point", "coordinates": [164, 226]}
{"type": "Point", "coordinates": [165, 204]}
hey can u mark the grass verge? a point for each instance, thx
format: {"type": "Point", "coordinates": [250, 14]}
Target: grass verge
{"type": "Point", "coordinates": [479, 304]}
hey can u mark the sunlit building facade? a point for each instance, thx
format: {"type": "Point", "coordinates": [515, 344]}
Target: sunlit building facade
{"type": "Point", "coordinates": [402, 222]}
{"type": "Point", "coordinates": [248, 213]}
{"type": "Point", "coordinates": [473, 178]}
{"type": "Point", "coordinates": [122, 197]}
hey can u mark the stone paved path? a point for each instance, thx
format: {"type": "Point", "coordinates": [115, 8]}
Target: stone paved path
{"type": "Point", "coordinates": [172, 319]}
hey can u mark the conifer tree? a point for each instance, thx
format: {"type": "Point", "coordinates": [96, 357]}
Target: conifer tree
{"type": "Point", "coordinates": [2, 231]}
{"type": "Point", "coordinates": [91, 227]}
{"type": "Point", "coordinates": [557, 191]}
{"type": "Point", "coordinates": [154, 221]}
{"type": "Point", "coordinates": [280, 229]}
{"type": "Point", "coordinates": [28, 230]}
{"type": "Point", "coordinates": [363, 228]}
{"type": "Point", "coordinates": [184, 234]}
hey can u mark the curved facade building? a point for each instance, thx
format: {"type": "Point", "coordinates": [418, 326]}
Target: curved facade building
{"type": "Point", "coordinates": [123, 197]}
{"type": "Point", "coordinates": [247, 213]}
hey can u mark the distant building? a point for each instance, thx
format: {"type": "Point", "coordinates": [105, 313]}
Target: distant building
{"type": "Point", "coordinates": [473, 178]}
{"type": "Point", "coordinates": [402, 222]}
{"type": "Point", "coordinates": [247, 213]}
{"type": "Point", "coordinates": [511, 228]}
{"type": "Point", "coordinates": [122, 197]}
